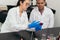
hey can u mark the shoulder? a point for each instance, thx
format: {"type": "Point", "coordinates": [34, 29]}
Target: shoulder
{"type": "Point", "coordinates": [13, 10]}
{"type": "Point", "coordinates": [35, 9]}
{"type": "Point", "coordinates": [49, 12]}
{"type": "Point", "coordinates": [48, 9]}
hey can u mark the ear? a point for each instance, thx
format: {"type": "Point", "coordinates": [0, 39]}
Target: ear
{"type": "Point", "coordinates": [45, 3]}
{"type": "Point", "coordinates": [20, 2]}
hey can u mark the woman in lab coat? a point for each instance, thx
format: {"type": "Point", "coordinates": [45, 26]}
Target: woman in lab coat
{"type": "Point", "coordinates": [17, 18]}
{"type": "Point", "coordinates": [42, 14]}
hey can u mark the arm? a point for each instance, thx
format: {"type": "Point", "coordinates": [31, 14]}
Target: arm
{"type": "Point", "coordinates": [51, 20]}
{"type": "Point", "coordinates": [14, 25]}
{"type": "Point", "coordinates": [31, 17]}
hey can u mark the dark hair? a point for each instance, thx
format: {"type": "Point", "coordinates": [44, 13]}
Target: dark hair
{"type": "Point", "coordinates": [18, 3]}
{"type": "Point", "coordinates": [44, 0]}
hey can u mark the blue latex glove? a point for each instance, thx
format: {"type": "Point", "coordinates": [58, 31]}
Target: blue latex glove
{"type": "Point", "coordinates": [38, 27]}
{"type": "Point", "coordinates": [34, 24]}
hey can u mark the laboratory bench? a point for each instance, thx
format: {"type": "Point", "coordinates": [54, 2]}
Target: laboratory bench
{"type": "Point", "coordinates": [28, 34]}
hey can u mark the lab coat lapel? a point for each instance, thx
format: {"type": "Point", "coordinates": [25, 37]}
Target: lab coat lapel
{"type": "Point", "coordinates": [41, 17]}
{"type": "Point", "coordinates": [20, 19]}
{"type": "Point", "coordinates": [17, 15]}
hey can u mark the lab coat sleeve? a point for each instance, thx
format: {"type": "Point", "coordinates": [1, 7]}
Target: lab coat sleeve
{"type": "Point", "coordinates": [31, 17]}
{"type": "Point", "coordinates": [51, 19]}
{"type": "Point", "coordinates": [14, 25]}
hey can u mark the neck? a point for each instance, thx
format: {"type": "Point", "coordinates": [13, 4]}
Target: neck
{"type": "Point", "coordinates": [41, 11]}
{"type": "Point", "coordinates": [21, 10]}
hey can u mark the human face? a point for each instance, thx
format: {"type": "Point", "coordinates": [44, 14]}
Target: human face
{"type": "Point", "coordinates": [25, 4]}
{"type": "Point", "coordinates": [40, 4]}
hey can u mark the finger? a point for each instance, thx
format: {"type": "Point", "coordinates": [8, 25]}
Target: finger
{"type": "Point", "coordinates": [38, 22]}
{"type": "Point", "coordinates": [34, 21]}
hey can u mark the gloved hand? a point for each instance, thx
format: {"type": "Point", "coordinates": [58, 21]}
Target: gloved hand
{"type": "Point", "coordinates": [38, 27]}
{"type": "Point", "coordinates": [34, 24]}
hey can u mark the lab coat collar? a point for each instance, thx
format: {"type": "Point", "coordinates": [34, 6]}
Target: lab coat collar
{"type": "Point", "coordinates": [18, 9]}
{"type": "Point", "coordinates": [43, 11]}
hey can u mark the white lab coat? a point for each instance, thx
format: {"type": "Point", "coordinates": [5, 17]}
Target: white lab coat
{"type": "Point", "coordinates": [47, 17]}
{"type": "Point", "coordinates": [14, 22]}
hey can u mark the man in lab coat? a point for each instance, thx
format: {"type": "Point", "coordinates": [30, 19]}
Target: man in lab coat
{"type": "Point", "coordinates": [43, 14]}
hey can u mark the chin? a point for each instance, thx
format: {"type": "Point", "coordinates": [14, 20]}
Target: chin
{"type": "Point", "coordinates": [40, 8]}
{"type": "Point", "coordinates": [25, 9]}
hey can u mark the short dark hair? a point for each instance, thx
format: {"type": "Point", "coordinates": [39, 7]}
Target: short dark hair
{"type": "Point", "coordinates": [18, 3]}
{"type": "Point", "coordinates": [44, 0]}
